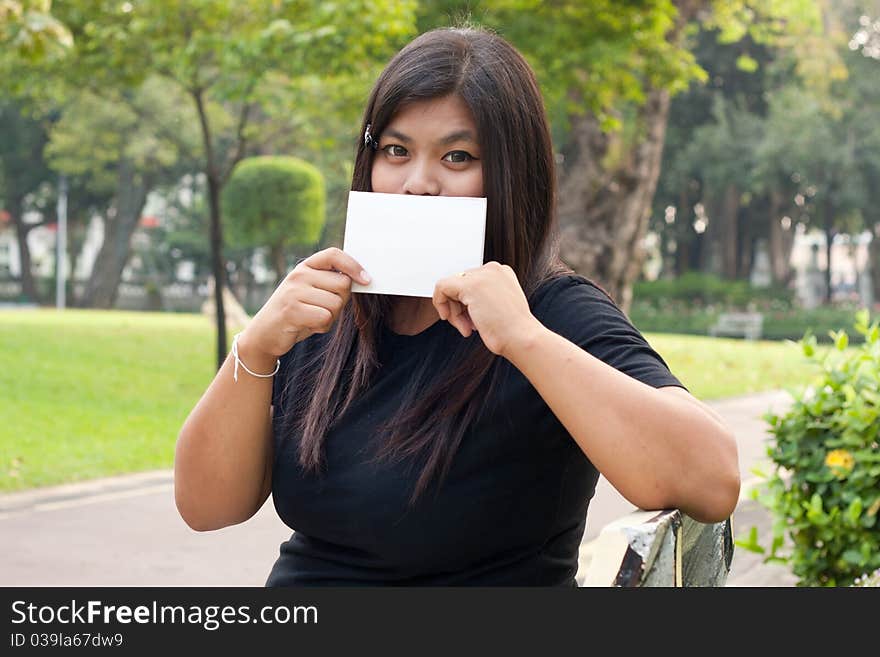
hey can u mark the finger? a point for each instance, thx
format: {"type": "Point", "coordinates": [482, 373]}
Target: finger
{"type": "Point", "coordinates": [313, 317]}
{"type": "Point", "coordinates": [322, 299]}
{"type": "Point", "coordinates": [458, 317]}
{"type": "Point", "coordinates": [445, 291]}
{"type": "Point", "coordinates": [334, 258]}
{"type": "Point", "coordinates": [463, 324]}
{"type": "Point", "coordinates": [468, 322]}
{"type": "Point", "coordinates": [455, 308]}
{"type": "Point", "coordinates": [464, 321]}
{"type": "Point", "coordinates": [332, 281]}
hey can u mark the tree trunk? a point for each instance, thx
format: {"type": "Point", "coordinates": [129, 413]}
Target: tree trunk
{"type": "Point", "coordinates": [781, 242]}
{"type": "Point", "coordinates": [218, 266]}
{"type": "Point", "coordinates": [131, 195]}
{"type": "Point", "coordinates": [279, 262]}
{"type": "Point", "coordinates": [729, 218]}
{"type": "Point", "coordinates": [685, 237]}
{"type": "Point", "coordinates": [874, 261]}
{"type": "Point", "coordinates": [747, 244]}
{"type": "Point", "coordinates": [604, 214]}
{"type": "Point", "coordinates": [77, 229]}
{"type": "Point", "coordinates": [829, 238]}
{"type": "Point", "coordinates": [28, 285]}
{"type": "Point", "coordinates": [76, 237]}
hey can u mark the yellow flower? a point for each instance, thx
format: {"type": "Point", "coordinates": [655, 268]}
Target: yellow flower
{"type": "Point", "coordinates": [840, 461]}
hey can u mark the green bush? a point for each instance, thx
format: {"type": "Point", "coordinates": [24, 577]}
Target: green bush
{"type": "Point", "coordinates": [824, 493]}
{"type": "Point", "coordinates": [689, 321]}
{"type": "Point", "coordinates": [275, 202]}
{"type": "Point", "coordinates": [700, 289]}
{"type": "Point", "coordinates": [821, 322]}
{"type": "Point", "coordinates": [789, 324]}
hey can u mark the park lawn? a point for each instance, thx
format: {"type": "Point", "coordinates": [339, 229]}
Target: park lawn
{"type": "Point", "coordinates": [89, 394]}
{"type": "Point", "coordinates": [713, 368]}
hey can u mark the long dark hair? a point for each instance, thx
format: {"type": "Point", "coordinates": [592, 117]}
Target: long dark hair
{"type": "Point", "coordinates": [500, 89]}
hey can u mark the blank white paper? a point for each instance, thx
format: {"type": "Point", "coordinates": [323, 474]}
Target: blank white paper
{"type": "Point", "coordinates": [407, 243]}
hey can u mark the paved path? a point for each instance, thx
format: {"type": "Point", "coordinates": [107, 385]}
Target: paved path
{"type": "Point", "coordinates": [125, 531]}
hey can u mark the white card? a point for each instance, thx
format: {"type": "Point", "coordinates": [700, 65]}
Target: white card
{"type": "Point", "coordinates": [407, 243]}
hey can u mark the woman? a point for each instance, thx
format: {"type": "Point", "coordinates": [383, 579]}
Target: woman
{"type": "Point", "coordinates": [455, 440]}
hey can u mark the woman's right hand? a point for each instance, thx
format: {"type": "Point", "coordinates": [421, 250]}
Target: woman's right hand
{"type": "Point", "coordinates": [307, 301]}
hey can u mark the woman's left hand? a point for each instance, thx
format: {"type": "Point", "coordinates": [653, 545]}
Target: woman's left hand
{"type": "Point", "coordinates": [488, 300]}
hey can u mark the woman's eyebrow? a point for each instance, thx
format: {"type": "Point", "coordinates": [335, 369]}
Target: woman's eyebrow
{"type": "Point", "coordinates": [391, 132]}
{"type": "Point", "coordinates": [458, 135]}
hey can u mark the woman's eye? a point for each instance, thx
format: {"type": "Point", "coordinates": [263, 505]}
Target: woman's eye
{"type": "Point", "coordinates": [458, 156]}
{"type": "Point", "coordinates": [395, 150]}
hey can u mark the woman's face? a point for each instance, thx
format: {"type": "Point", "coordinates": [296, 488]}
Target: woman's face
{"type": "Point", "coordinates": [429, 147]}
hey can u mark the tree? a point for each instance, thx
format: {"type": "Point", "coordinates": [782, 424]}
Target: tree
{"type": "Point", "coordinates": [30, 36]}
{"type": "Point", "coordinates": [121, 159]}
{"type": "Point", "coordinates": [697, 172]}
{"type": "Point", "coordinates": [724, 131]}
{"type": "Point", "coordinates": [608, 71]}
{"type": "Point", "coordinates": [275, 202]}
{"type": "Point", "coordinates": [863, 61]}
{"type": "Point", "coordinates": [28, 27]}
{"type": "Point", "coordinates": [227, 54]}
{"type": "Point", "coordinates": [23, 171]}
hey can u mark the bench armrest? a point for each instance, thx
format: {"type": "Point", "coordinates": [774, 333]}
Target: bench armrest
{"type": "Point", "coordinates": [665, 548]}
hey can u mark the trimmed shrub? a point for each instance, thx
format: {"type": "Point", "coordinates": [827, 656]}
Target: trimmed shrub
{"type": "Point", "coordinates": [275, 202]}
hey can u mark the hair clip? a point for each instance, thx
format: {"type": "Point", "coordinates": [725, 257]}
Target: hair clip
{"type": "Point", "coordinates": [369, 140]}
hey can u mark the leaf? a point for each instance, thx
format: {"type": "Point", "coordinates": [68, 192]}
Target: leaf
{"type": "Point", "coordinates": [751, 542]}
{"type": "Point", "coordinates": [853, 557]}
{"type": "Point", "coordinates": [854, 510]}
{"type": "Point", "coordinates": [862, 318]}
{"type": "Point", "coordinates": [746, 63]}
{"type": "Point", "coordinates": [777, 543]}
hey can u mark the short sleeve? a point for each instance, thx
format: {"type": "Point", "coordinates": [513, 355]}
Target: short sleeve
{"type": "Point", "coordinates": [578, 310]}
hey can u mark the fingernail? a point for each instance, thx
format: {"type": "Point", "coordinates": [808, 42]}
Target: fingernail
{"type": "Point", "coordinates": [365, 277]}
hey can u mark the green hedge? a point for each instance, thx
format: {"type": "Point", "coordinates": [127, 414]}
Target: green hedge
{"type": "Point", "coordinates": [699, 289]}
{"type": "Point", "coordinates": [790, 324]}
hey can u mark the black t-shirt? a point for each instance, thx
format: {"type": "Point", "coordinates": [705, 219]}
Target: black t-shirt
{"type": "Point", "coordinates": [512, 509]}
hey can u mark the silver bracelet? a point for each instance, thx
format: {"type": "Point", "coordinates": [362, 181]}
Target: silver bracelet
{"type": "Point", "coordinates": [238, 362]}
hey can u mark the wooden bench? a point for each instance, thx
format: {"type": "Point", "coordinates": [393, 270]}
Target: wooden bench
{"type": "Point", "coordinates": [658, 548]}
{"type": "Point", "coordinates": [747, 325]}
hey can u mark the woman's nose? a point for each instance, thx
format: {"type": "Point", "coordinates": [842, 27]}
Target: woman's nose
{"type": "Point", "coordinates": [421, 180]}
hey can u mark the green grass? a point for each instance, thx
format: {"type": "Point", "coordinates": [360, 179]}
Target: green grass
{"type": "Point", "coordinates": [712, 368]}
{"type": "Point", "coordinates": [86, 394]}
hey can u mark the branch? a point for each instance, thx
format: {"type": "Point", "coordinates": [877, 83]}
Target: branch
{"type": "Point", "coordinates": [241, 140]}
{"type": "Point", "coordinates": [207, 138]}
{"type": "Point", "coordinates": [161, 130]}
